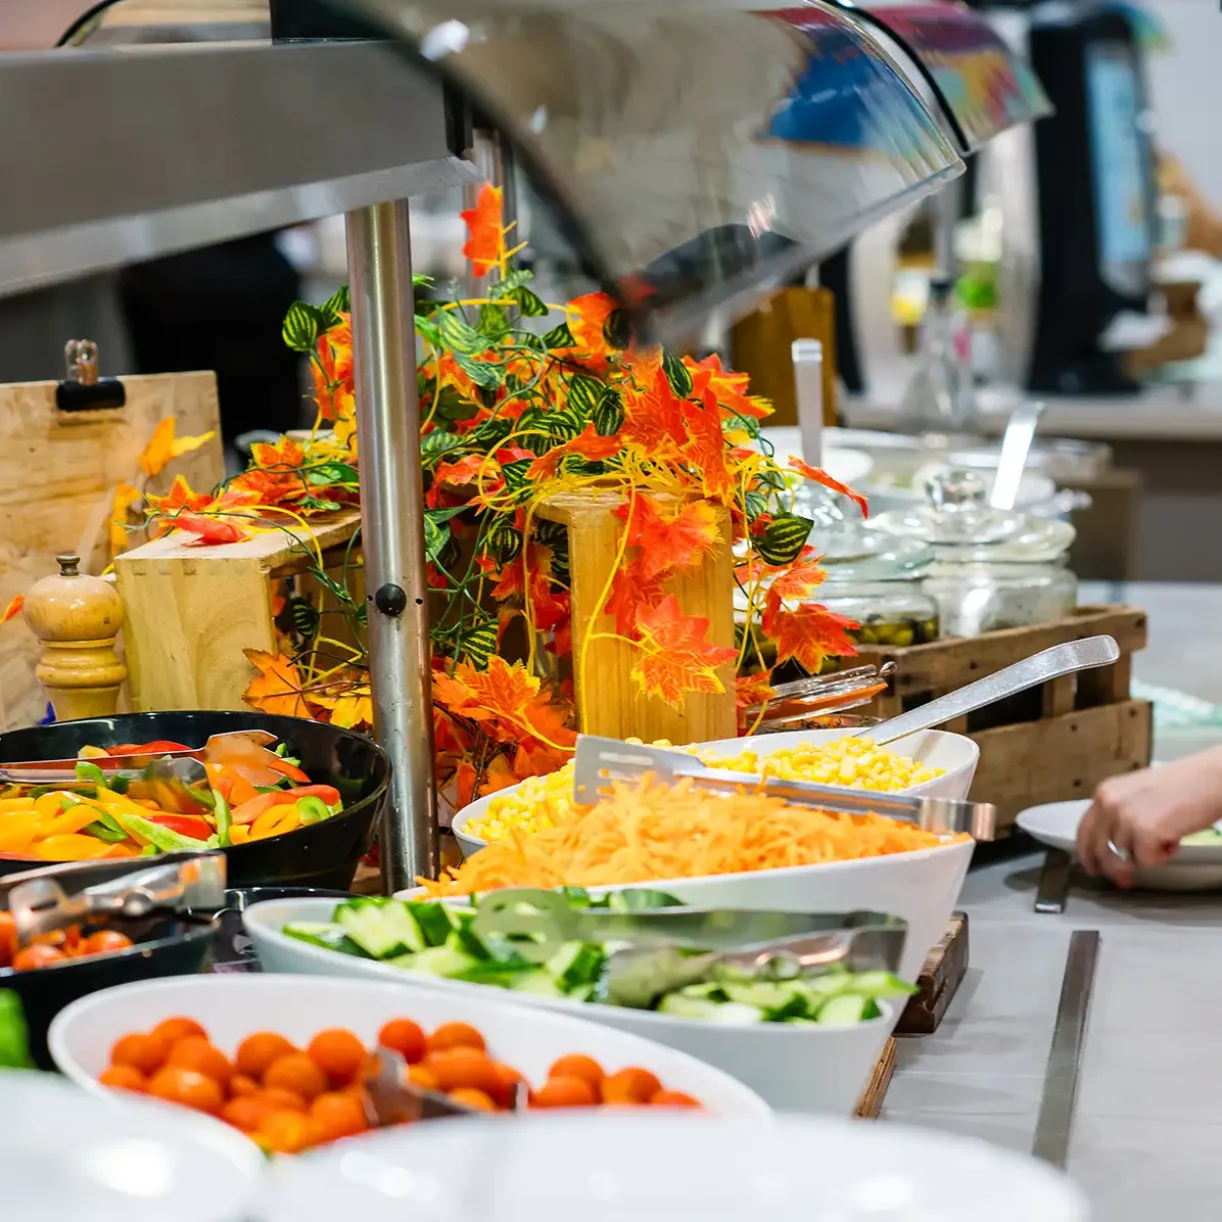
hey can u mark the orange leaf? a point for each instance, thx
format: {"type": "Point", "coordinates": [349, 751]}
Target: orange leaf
{"type": "Point", "coordinates": [706, 449]}
{"type": "Point", "coordinates": [667, 541]}
{"type": "Point", "coordinates": [503, 690]}
{"type": "Point", "coordinates": [285, 453]}
{"type": "Point", "coordinates": [676, 657]}
{"type": "Point", "coordinates": [277, 689]}
{"type": "Point", "coordinates": [587, 445]}
{"type": "Point", "coordinates": [810, 634]}
{"type": "Point", "coordinates": [798, 581]}
{"type": "Point", "coordinates": [485, 245]}
{"type": "Point", "coordinates": [630, 591]}
{"type": "Point", "coordinates": [164, 448]}
{"type": "Point", "coordinates": [548, 609]}
{"type": "Point", "coordinates": [587, 318]}
{"type": "Point", "coordinates": [653, 419]}
{"type": "Point", "coordinates": [821, 477]}
{"type": "Point", "coordinates": [350, 707]}
{"type": "Point", "coordinates": [211, 531]}
{"type": "Point", "coordinates": [729, 389]}
{"type": "Point", "coordinates": [180, 496]}
{"type": "Point", "coordinates": [125, 497]}
{"type": "Point", "coordinates": [13, 609]}
{"type": "Point", "coordinates": [750, 690]}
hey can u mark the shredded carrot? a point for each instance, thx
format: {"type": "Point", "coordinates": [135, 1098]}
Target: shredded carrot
{"type": "Point", "coordinates": [650, 831]}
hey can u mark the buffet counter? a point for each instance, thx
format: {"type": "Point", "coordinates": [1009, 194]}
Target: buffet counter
{"type": "Point", "coordinates": [1147, 1124]}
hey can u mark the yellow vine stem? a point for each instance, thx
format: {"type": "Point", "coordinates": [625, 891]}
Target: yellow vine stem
{"type": "Point", "coordinates": [602, 598]}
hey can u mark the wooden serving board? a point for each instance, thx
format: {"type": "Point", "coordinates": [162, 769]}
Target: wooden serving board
{"type": "Point", "coordinates": [871, 1102]}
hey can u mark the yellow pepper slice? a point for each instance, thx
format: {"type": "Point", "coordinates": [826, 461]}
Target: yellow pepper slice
{"type": "Point", "coordinates": [69, 848]}
{"type": "Point", "coordinates": [74, 819]}
{"type": "Point", "coordinates": [280, 819]}
{"type": "Point", "coordinates": [17, 830]}
{"type": "Point", "coordinates": [239, 833]}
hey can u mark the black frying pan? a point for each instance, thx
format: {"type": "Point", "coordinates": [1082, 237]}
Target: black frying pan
{"type": "Point", "coordinates": [324, 854]}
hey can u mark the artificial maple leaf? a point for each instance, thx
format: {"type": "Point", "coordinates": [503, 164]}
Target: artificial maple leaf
{"type": "Point", "coordinates": [14, 609]}
{"type": "Point", "coordinates": [821, 477]}
{"type": "Point", "coordinates": [181, 496]}
{"type": "Point", "coordinates": [681, 539]}
{"type": "Point", "coordinates": [676, 658]}
{"type": "Point", "coordinates": [512, 580]}
{"type": "Point", "coordinates": [277, 689]}
{"type": "Point", "coordinates": [587, 318]}
{"type": "Point", "coordinates": [285, 454]}
{"type": "Point", "coordinates": [751, 690]}
{"type": "Point", "coordinates": [547, 607]}
{"type": "Point", "coordinates": [163, 447]}
{"type": "Point", "coordinates": [630, 591]}
{"type": "Point", "coordinates": [811, 634]}
{"type": "Point", "coordinates": [588, 445]}
{"type": "Point", "coordinates": [705, 449]}
{"type": "Point", "coordinates": [796, 582]}
{"type": "Point", "coordinates": [210, 530]}
{"type": "Point", "coordinates": [350, 707]}
{"type": "Point", "coordinates": [729, 389]}
{"type": "Point", "coordinates": [125, 497]}
{"type": "Point", "coordinates": [653, 418]}
{"type": "Point", "coordinates": [485, 245]}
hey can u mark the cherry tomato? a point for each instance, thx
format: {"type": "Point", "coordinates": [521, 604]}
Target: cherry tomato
{"type": "Point", "coordinates": [177, 1084]}
{"type": "Point", "coordinates": [38, 955]}
{"type": "Point", "coordinates": [105, 942]}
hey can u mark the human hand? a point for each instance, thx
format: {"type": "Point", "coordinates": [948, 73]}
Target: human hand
{"type": "Point", "coordinates": [1138, 819]}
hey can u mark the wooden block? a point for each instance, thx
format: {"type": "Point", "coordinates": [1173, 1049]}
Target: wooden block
{"type": "Point", "coordinates": [871, 1102]}
{"type": "Point", "coordinates": [58, 472]}
{"type": "Point", "coordinates": [608, 699]}
{"type": "Point", "coordinates": [1060, 758]}
{"type": "Point", "coordinates": [1058, 696]}
{"type": "Point", "coordinates": [191, 611]}
{"type": "Point", "coordinates": [938, 981]}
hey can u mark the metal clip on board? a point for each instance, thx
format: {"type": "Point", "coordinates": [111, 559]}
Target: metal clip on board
{"type": "Point", "coordinates": [82, 390]}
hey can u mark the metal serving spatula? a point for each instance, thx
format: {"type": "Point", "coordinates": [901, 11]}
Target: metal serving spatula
{"type": "Point", "coordinates": [548, 920]}
{"type": "Point", "coordinates": [599, 761]}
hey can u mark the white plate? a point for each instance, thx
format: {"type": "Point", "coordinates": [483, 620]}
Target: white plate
{"type": "Point", "coordinates": [232, 1007]}
{"type": "Point", "coordinates": [68, 1156]}
{"type": "Point", "coordinates": [1195, 868]}
{"type": "Point", "coordinates": [652, 1168]}
{"type": "Point", "coordinates": [956, 754]}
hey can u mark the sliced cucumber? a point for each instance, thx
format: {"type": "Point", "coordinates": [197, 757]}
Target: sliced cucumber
{"type": "Point", "coordinates": [881, 984]}
{"type": "Point", "coordinates": [329, 937]}
{"type": "Point", "coordinates": [538, 982]}
{"type": "Point", "coordinates": [445, 961]}
{"type": "Point", "coordinates": [847, 1010]}
{"type": "Point", "coordinates": [576, 963]}
{"type": "Point", "coordinates": [385, 930]}
{"type": "Point", "coordinates": [641, 899]}
{"type": "Point", "coordinates": [433, 919]}
{"type": "Point", "coordinates": [728, 1014]}
{"type": "Point", "coordinates": [776, 1000]}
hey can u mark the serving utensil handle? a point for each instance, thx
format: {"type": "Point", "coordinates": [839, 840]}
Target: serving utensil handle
{"type": "Point", "coordinates": [1030, 672]}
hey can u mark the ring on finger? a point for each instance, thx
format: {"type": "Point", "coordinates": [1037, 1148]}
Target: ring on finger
{"type": "Point", "coordinates": [1117, 852]}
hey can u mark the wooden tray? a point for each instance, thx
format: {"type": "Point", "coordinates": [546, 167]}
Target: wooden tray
{"type": "Point", "coordinates": [1050, 744]}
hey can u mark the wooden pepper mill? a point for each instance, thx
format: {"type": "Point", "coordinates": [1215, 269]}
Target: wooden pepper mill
{"type": "Point", "coordinates": [77, 618]}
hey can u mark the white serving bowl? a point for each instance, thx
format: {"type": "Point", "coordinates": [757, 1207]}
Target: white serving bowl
{"type": "Point", "coordinates": [674, 1168]}
{"type": "Point", "coordinates": [956, 754]}
{"type": "Point", "coordinates": [74, 1157]}
{"type": "Point", "coordinates": [298, 1007]}
{"type": "Point", "coordinates": [793, 1068]}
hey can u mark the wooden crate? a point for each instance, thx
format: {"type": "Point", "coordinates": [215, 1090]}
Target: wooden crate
{"type": "Point", "coordinates": [191, 611]}
{"type": "Point", "coordinates": [1051, 744]}
{"type": "Point", "coordinates": [58, 473]}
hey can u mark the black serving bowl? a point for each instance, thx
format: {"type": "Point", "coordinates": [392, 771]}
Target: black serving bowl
{"type": "Point", "coordinates": [233, 950]}
{"type": "Point", "coordinates": [165, 946]}
{"type": "Point", "coordinates": [324, 854]}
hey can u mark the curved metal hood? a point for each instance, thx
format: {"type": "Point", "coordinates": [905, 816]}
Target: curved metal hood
{"type": "Point", "coordinates": [700, 151]}
{"type": "Point", "coordinates": [982, 86]}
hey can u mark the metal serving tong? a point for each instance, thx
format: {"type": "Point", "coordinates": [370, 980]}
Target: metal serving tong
{"type": "Point", "coordinates": [669, 948]}
{"type": "Point", "coordinates": [600, 760]}
{"type": "Point", "coordinates": [392, 1098]}
{"type": "Point", "coordinates": [62, 774]}
{"type": "Point", "coordinates": [40, 905]}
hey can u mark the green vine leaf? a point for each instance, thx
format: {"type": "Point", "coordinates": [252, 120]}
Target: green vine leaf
{"type": "Point", "coordinates": [482, 373]}
{"type": "Point", "coordinates": [479, 645]}
{"type": "Point", "coordinates": [458, 335]}
{"type": "Point", "coordinates": [676, 373]}
{"type": "Point", "coordinates": [514, 474]}
{"type": "Point", "coordinates": [784, 539]}
{"type": "Point", "coordinates": [609, 414]}
{"type": "Point", "coordinates": [436, 532]}
{"type": "Point", "coordinates": [559, 337]}
{"type": "Point", "coordinates": [337, 304]}
{"type": "Point", "coordinates": [305, 617]}
{"type": "Point", "coordinates": [333, 473]}
{"type": "Point", "coordinates": [531, 304]}
{"type": "Point", "coordinates": [616, 330]}
{"type": "Point", "coordinates": [302, 326]}
{"type": "Point", "coordinates": [585, 395]}
{"type": "Point", "coordinates": [439, 442]}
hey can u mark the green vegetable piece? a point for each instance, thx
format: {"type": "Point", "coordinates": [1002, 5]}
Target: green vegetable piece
{"type": "Point", "coordinates": [726, 1014]}
{"type": "Point", "coordinates": [312, 810]}
{"type": "Point", "coordinates": [641, 899]}
{"type": "Point", "coordinates": [100, 831]}
{"type": "Point", "coordinates": [14, 1034]}
{"type": "Point", "coordinates": [443, 961]}
{"type": "Point", "coordinates": [329, 937]}
{"type": "Point", "coordinates": [224, 819]}
{"type": "Point", "coordinates": [160, 839]}
{"type": "Point", "coordinates": [433, 920]}
{"type": "Point", "coordinates": [90, 774]}
{"type": "Point", "coordinates": [385, 928]}
{"type": "Point", "coordinates": [881, 984]}
{"type": "Point", "coordinates": [846, 1010]}
{"type": "Point", "coordinates": [578, 897]}
{"type": "Point", "coordinates": [576, 964]}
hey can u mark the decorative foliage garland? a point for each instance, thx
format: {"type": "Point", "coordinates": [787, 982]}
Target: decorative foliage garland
{"type": "Point", "coordinates": [514, 414]}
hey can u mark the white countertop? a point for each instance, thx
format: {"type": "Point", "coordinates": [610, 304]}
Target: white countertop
{"type": "Point", "coordinates": [1192, 412]}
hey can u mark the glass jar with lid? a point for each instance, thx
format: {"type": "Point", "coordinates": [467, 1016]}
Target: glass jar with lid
{"type": "Point", "coordinates": [992, 568]}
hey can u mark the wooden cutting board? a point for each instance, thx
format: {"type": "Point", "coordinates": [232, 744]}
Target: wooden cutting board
{"type": "Point", "coordinates": [58, 473]}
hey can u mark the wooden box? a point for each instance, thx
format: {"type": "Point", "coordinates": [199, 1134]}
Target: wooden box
{"type": "Point", "coordinates": [191, 611]}
{"type": "Point", "coordinates": [1050, 744]}
{"type": "Point", "coordinates": [58, 473]}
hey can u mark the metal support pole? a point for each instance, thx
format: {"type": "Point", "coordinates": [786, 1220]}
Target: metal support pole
{"type": "Point", "coordinates": [392, 507]}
